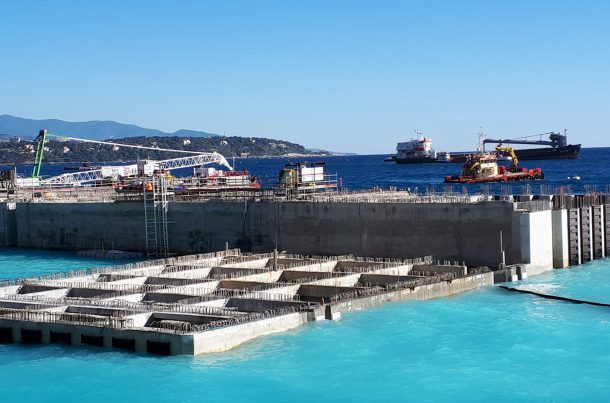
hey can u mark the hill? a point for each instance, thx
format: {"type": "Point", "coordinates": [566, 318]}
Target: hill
{"type": "Point", "coordinates": [92, 130]}
{"type": "Point", "coordinates": [73, 151]}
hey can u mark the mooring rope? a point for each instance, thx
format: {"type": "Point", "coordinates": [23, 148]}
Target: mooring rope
{"type": "Point", "coordinates": [554, 297]}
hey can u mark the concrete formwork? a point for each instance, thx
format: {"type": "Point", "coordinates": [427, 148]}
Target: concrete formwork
{"type": "Point", "coordinates": [112, 307]}
{"type": "Point", "coordinates": [8, 224]}
{"type": "Point", "coordinates": [607, 226]}
{"type": "Point", "coordinates": [598, 232]}
{"type": "Point", "coordinates": [586, 234]}
{"type": "Point", "coordinates": [574, 237]}
{"type": "Point", "coordinates": [588, 229]}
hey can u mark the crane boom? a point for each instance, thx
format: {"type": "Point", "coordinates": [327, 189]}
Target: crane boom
{"type": "Point", "coordinates": [555, 140]}
{"type": "Point", "coordinates": [42, 139]}
{"type": "Point", "coordinates": [514, 163]}
{"type": "Point", "coordinates": [115, 172]}
{"type": "Point", "coordinates": [122, 145]}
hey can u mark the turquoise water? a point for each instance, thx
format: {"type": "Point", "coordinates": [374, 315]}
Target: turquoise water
{"type": "Point", "coordinates": [481, 345]}
{"type": "Point", "coordinates": [17, 263]}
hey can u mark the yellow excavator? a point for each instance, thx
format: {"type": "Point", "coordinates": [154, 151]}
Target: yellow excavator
{"type": "Point", "coordinates": [514, 163]}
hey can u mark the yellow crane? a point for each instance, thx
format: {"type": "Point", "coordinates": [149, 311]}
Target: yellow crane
{"type": "Point", "coordinates": [514, 164]}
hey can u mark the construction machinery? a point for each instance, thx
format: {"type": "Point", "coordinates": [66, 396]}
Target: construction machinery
{"type": "Point", "coordinates": [514, 161]}
{"type": "Point", "coordinates": [483, 167]}
{"type": "Point", "coordinates": [115, 172]}
{"type": "Point", "coordinates": [41, 140]}
{"type": "Point", "coordinates": [557, 146]}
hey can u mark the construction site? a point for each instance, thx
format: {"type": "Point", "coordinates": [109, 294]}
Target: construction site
{"type": "Point", "coordinates": [288, 251]}
{"type": "Point", "coordinates": [213, 302]}
{"type": "Point", "coordinates": [306, 211]}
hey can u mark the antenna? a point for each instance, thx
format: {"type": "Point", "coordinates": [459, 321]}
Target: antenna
{"type": "Point", "coordinates": [481, 142]}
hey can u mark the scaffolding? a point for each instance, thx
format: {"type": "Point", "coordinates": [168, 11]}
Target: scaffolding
{"type": "Point", "coordinates": [155, 216]}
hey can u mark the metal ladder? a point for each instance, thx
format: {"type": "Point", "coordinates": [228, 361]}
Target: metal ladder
{"type": "Point", "coordinates": [155, 216]}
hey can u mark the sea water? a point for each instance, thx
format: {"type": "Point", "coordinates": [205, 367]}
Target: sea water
{"type": "Point", "coordinates": [477, 346]}
{"type": "Point", "coordinates": [357, 172]}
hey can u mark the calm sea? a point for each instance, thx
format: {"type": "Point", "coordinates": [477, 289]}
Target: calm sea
{"type": "Point", "coordinates": [478, 346]}
{"type": "Point", "coordinates": [367, 171]}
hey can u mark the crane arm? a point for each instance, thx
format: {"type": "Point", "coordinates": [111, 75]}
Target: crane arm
{"type": "Point", "coordinates": [196, 158]}
{"type": "Point", "coordinates": [42, 139]}
{"type": "Point", "coordinates": [124, 145]}
{"type": "Point", "coordinates": [514, 164]}
{"type": "Point", "coordinates": [79, 178]}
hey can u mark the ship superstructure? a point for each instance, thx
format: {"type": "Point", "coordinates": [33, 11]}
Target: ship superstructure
{"type": "Point", "coordinates": [415, 151]}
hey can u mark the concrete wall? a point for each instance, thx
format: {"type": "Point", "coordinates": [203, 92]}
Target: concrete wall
{"type": "Point", "coordinates": [561, 256]}
{"type": "Point", "coordinates": [467, 232]}
{"type": "Point", "coordinates": [437, 290]}
{"type": "Point", "coordinates": [3, 224]}
{"type": "Point", "coordinates": [448, 231]}
{"type": "Point", "coordinates": [8, 228]}
{"type": "Point", "coordinates": [536, 237]}
{"type": "Point", "coordinates": [80, 225]}
{"type": "Point", "coordinates": [231, 336]}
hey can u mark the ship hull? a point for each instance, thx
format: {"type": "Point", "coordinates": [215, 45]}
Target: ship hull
{"type": "Point", "coordinates": [558, 153]}
{"type": "Point", "coordinates": [415, 160]}
{"type": "Point", "coordinates": [565, 152]}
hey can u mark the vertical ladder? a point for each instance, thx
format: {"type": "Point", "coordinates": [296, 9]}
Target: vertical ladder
{"type": "Point", "coordinates": [155, 216]}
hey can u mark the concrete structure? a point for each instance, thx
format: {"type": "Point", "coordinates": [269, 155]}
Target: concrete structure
{"type": "Point", "coordinates": [210, 303]}
{"type": "Point", "coordinates": [463, 230]}
{"type": "Point", "coordinates": [561, 245]}
{"type": "Point", "coordinates": [542, 233]}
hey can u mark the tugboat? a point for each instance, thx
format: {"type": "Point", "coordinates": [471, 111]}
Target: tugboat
{"type": "Point", "coordinates": [483, 167]}
{"type": "Point", "coordinates": [415, 151]}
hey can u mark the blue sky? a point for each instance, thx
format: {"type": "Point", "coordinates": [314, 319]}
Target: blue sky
{"type": "Point", "coordinates": [343, 75]}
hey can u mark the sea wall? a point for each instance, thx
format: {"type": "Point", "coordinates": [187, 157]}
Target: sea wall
{"type": "Point", "coordinates": [425, 292]}
{"type": "Point", "coordinates": [453, 231]}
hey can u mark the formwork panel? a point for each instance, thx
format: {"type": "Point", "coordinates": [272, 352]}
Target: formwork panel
{"type": "Point", "coordinates": [574, 236]}
{"type": "Point", "coordinates": [585, 233]}
{"type": "Point", "coordinates": [606, 211]}
{"type": "Point", "coordinates": [598, 232]}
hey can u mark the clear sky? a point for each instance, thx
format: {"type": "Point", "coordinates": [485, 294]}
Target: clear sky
{"type": "Point", "coordinates": [352, 75]}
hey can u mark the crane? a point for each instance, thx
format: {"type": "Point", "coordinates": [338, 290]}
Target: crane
{"type": "Point", "coordinates": [41, 139]}
{"type": "Point", "coordinates": [555, 140]}
{"type": "Point", "coordinates": [514, 163]}
{"type": "Point", "coordinates": [116, 171]}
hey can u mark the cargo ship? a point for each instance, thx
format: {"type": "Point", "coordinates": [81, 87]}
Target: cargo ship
{"type": "Point", "coordinates": [557, 148]}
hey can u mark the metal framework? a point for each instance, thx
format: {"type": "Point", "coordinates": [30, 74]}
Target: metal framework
{"type": "Point", "coordinates": [115, 172]}
{"type": "Point", "coordinates": [155, 216]}
{"type": "Point", "coordinates": [42, 139]}
{"type": "Point", "coordinates": [193, 161]}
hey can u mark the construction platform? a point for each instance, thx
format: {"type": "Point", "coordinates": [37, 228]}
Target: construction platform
{"type": "Point", "coordinates": [213, 302]}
